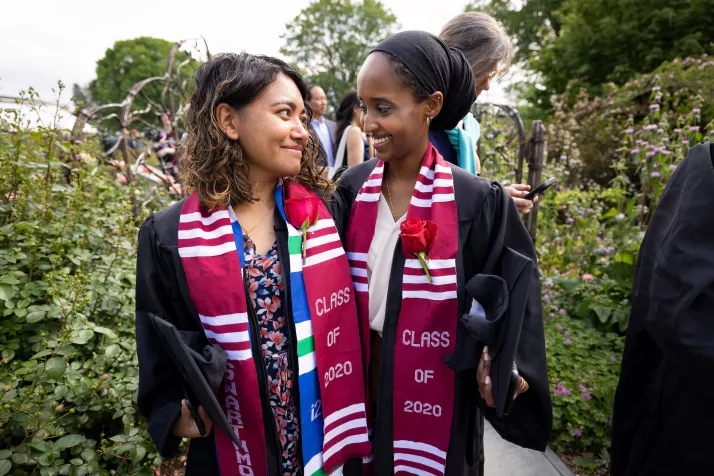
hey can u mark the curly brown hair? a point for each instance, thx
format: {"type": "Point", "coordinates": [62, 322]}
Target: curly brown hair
{"type": "Point", "coordinates": [212, 164]}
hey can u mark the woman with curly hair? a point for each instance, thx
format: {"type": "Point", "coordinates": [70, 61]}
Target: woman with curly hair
{"type": "Point", "coordinates": [249, 267]}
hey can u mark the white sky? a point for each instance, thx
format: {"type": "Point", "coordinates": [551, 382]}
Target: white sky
{"type": "Point", "coordinates": [42, 41]}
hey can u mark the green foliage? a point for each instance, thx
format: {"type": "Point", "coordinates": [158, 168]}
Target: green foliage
{"type": "Point", "coordinates": [583, 368]}
{"type": "Point", "coordinates": [589, 231]}
{"type": "Point", "coordinates": [329, 40]}
{"type": "Point", "coordinates": [69, 373]}
{"type": "Point", "coordinates": [588, 132]}
{"type": "Point", "coordinates": [588, 43]}
{"type": "Point", "coordinates": [603, 41]}
{"type": "Point", "coordinates": [131, 61]}
{"type": "Point", "coordinates": [532, 23]}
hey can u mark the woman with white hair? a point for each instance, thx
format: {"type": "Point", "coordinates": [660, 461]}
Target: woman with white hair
{"type": "Point", "coordinates": [489, 51]}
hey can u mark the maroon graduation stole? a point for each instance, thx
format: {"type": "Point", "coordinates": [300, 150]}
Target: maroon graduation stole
{"type": "Point", "coordinates": [426, 330]}
{"type": "Point", "coordinates": [332, 423]}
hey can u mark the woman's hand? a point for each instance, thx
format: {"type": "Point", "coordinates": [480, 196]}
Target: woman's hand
{"type": "Point", "coordinates": [485, 388]}
{"type": "Point", "coordinates": [185, 426]}
{"type": "Point", "coordinates": [517, 191]}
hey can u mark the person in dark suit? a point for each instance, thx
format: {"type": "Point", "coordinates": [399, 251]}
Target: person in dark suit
{"type": "Point", "coordinates": [324, 129]}
{"type": "Point", "coordinates": [663, 413]}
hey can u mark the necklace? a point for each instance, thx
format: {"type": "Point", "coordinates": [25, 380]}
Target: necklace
{"type": "Point", "coordinates": [260, 221]}
{"type": "Point", "coordinates": [389, 200]}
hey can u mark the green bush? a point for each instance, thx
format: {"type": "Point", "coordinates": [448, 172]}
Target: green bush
{"type": "Point", "coordinates": [69, 373]}
{"type": "Point", "coordinates": [583, 368]}
{"type": "Point", "coordinates": [613, 157]}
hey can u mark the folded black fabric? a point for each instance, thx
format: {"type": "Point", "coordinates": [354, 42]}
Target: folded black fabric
{"type": "Point", "coordinates": [202, 366]}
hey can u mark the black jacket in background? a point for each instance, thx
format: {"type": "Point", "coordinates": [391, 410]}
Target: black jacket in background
{"type": "Point", "coordinates": [663, 419]}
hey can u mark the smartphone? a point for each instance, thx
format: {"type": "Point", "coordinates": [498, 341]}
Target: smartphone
{"type": "Point", "coordinates": [540, 189]}
{"type": "Point", "coordinates": [512, 387]}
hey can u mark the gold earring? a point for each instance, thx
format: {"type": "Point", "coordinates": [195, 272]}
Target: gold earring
{"type": "Point", "coordinates": [428, 120]}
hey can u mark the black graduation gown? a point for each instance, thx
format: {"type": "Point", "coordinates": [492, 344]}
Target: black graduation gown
{"type": "Point", "coordinates": [664, 415]}
{"type": "Point", "coordinates": [480, 206]}
{"type": "Point", "coordinates": [161, 289]}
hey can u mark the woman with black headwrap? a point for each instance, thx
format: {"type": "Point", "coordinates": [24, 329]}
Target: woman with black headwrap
{"type": "Point", "coordinates": [429, 243]}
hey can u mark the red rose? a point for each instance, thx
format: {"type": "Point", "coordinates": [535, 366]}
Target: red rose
{"type": "Point", "coordinates": [302, 212]}
{"type": "Point", "coordinates": [417, 236]}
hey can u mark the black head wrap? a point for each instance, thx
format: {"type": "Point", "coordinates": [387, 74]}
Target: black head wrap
{"type": "Point", "coordinates": [438, 67]}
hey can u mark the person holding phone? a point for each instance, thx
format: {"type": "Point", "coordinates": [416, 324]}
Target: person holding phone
{"type": "Point", "coordinates": [489, 51]}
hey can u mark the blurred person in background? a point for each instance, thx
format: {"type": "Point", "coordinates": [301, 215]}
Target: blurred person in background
{"type": "Point", "coordinates": [354, 145]}
{"type": "Point", "coordinates": [324, 129]}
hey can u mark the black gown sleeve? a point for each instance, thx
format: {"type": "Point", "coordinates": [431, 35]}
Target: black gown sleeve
{"type": "Point", "coordinates": [530, 421]}
{"type": "Point", "coordinates": [160, 388]}
{"type": "Point", "coordinates": [681, 286]}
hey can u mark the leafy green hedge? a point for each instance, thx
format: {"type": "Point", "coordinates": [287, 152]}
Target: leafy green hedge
{"type": "Point", "coordinates": [68, 374]}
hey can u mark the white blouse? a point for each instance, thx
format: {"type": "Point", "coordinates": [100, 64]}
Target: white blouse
{"type": "Point", "coordinates": [379, 262]}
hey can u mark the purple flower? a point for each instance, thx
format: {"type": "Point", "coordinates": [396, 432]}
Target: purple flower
{"type": "Point", "coordinates": [654, 107]}
{"type": "Point", "coordinates": [586, 396]}
{"type": "Point", "coordinates": [592, 372]}
{"type": "Point", "coordinates": [489, 136]}
{"type": "Point", "coordinates": [655, 174]}
{"type": "Point", "coordinates": [582, 388]}
{"type": "Point", "coordinates": [694, 128]}
{"type": "Point", "coordinates": [651, 127]}
{"type": "Point", "coordinates": [650, 154]}
{"type": "Point", "coordinates": [566, 391]}
{"type": "Point", "coordinates": [546, 298]}
{"type": "Point", "coordinates": [560, 328]}
{"type": "Point", "coordinates": [563, 157]}
{"type": "Point", "coordinates": [568, 342]}
{"type": "Point", "coordinates": [635, 151]}
{"type": "Point", "coordinates": [562, 311]}
{"type": "Point", "coordinates": [552, 316]}
{"type": "Point", "coordinates": [565, 334]}
{"type": "Point", "coordinates": [629, 131]}
{"type": "Point", "coordinates": [672, 167]}
{"type": "Point", "coordinates": [656, 88]}
{"type": "Point", "coordinates": [696, 110]}
{"type": "Point", "coordinates": [578, 433]}
{"type": "Point", "coordinates": [558, 392]}
{"type": "Point", "coordinates": [612, 357]}
{"type": "Point", "coordinates": [678, 131]}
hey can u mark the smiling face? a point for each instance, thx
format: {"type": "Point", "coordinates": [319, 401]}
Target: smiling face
{"type": "Point", "coordinates": [390, 111]}
{"type": "Point", "coordinates": [271, 130]}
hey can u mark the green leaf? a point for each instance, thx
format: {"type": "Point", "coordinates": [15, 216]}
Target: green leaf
{"type": "Point", "coordinates": [6, 293]}
{"type": "Point", "coordinates": [5, 454]}
{"type": "Point", "coordinates": [603, 313]}
{"type": "Point", "coordinates": [8, 354]}
{"type": "Point", "coordinates": [5, 467]}
{"type": "Point", "coordinates": [39, 445]}
{"type": "Point", "coordinates": [9, 279]}
{"type": "Point", "coordinates": [610, 213]}
{"type": "Point", "coordinates": [20, 458]}
{"type": "Point", "coordinates": [107, 332]}
{"type": "Point", "coordinates": [68, 441]}
{"type": "Point", "coordinates": [118, 438]}
{"type": "Point", "coordinates": [34, 316]}
{"type": "Point", "coordinates": [88, 455]}
{"type": "Point", "coordinates": [55, 367]}
{"type": "Point", "coordinates": [137, 454]}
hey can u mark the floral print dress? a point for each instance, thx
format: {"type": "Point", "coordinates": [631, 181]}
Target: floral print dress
{"type": "Point", "coordinates": [266, 288]}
